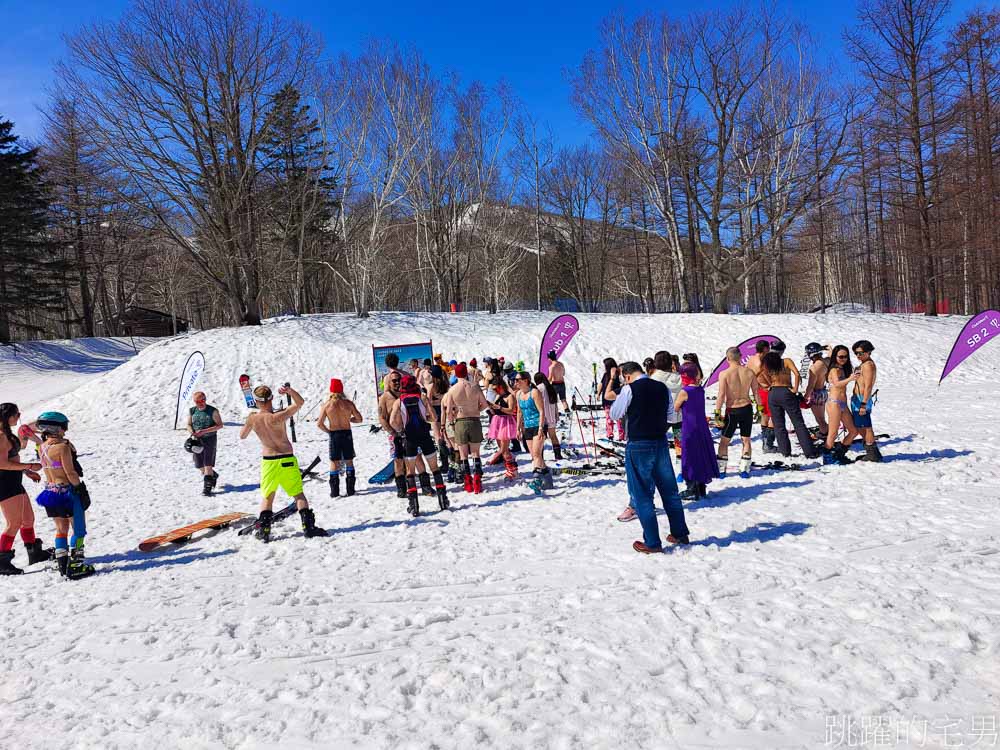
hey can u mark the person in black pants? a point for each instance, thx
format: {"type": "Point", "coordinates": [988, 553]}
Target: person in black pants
{"type": "Point", "coordinates": [783, 401]}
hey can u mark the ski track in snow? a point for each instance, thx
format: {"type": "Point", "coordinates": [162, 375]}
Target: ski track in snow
{"type": "Point", "coordinates": [511, 621]}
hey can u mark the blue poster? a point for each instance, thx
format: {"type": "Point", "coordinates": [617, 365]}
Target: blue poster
{"type": "Point", "coordinates": [405, 352]}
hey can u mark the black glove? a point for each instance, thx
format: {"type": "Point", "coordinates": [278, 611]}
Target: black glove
{"type": "Point", "coordinates": [84, 495]}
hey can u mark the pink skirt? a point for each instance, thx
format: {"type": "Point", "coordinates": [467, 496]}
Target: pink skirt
{"type": "Point", "coordinates": [502, 427]}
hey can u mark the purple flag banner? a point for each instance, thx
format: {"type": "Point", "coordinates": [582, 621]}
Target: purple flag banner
{"type": "Point", "coordinates": [557, 338]}
{"type": "Point", "coordinates": [747, 349]}
{"type": "Point", "coordinates": [979, 330]}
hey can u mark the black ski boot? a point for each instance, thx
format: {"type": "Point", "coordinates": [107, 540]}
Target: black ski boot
{"type": "Point", "coordinates": [351, 481]}
{"type": "Point", "coordinates": [401, 487]}
{"type": "Point", "coordinates": [7, 565]}
{"type": "Point", "coordinates": [36, 554]}
{"type": "Point", "coordinates": [77, 567]}
{"type": "Point", "coordinates": [309, 527]}
{"type": "Point", "coordinates": [872, 454]}
{"type": "Point", "coordinates": [442, 493]}
{"type": "Point", "coordinates": [263, 525]}
{"type": "Point", "coordinates": [214, 478]}
{"type": "Point", "coordinates": [547, 482]}
{"type": "Point", "coordinates": [557, 450]}
{"type": "Point", "coordinates": [62, 561]}
{"type": "Point", "coordinates": [334, 484]}
{"type": "Point", "coordinates": [425, 484]}
{"type": "Point", "coordinates": [767, 433]}
{"type": "Point", "coordinates": [206, 487]}
{"type": "Point", "coordinates": [413, 506]}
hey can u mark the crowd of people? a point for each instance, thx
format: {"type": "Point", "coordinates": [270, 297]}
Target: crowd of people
{"type": "Point", "coordinates": [438, 415]}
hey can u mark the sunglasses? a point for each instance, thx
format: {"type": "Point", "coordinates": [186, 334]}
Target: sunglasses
{"type": "Point", "coordinates": [841, 356]}
{"type": "Point", "coordinates": [861, 353]}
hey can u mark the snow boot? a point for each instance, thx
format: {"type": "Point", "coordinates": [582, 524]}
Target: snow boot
{"type": "Point", "coordinates": [334, 484]}
{"type": "Point", "coordinates": [352, 480]}
{"type": "Point", "coordinates": [425, 484]}
{"type": "Point", "coordinates": [7, 566]}
{"type": "Point", "coordinates": [263, 525]}
{"type": "Point", "coordinates": [872, 454]}
{"type": "Point", "coordinates": [309, 527]}
{"type": "Point", "coordinates": [36, 554]}
{"type": "Point", "coordinates": [206, 486]}
{"type": "Point", "coordinates": [77, 568]}
{"type": "Point", "coordinates": [401, 487]}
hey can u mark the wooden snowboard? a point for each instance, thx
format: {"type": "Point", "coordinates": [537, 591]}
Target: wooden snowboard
{"type": "Point", "coordinates": [183, 533]}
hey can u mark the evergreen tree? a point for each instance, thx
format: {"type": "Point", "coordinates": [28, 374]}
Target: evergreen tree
{"type": "Point", "coordinates": [30, 271]}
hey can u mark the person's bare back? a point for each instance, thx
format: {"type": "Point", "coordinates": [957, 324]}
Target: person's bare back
{"type": "Point", "coordinates": [338, 414]}
{"type": "Point", "coordinates": [735, 384]}
{"type": "Point", "coordinates": [269, 425]}
{"type": "Point", "coordinates": [464, 401]}
{"type": "Point", "coordinates": [557, 372]}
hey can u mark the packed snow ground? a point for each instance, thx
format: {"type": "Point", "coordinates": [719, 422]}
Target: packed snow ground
{"type": "Point", "coordinates": [812, 603]}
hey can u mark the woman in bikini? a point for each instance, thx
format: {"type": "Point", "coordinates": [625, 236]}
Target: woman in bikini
{"type": "Point", "coordinates": [840, 374]}
{"type": "Point", "coordinates": [14, 503]}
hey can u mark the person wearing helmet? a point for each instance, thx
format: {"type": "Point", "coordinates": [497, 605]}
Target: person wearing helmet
{"type": "Point", "coordinates": [279, 469]}
{"type": "Point", "coordinates": [411, 419]}
{"type": "Point", "coordinates": [18, 515]}
{"type": "Point", "coordinates": [203, 424]}
{"type": "Point", "coordinates": [864, 398]}
{"type": "Point", "coordinates": [557, 376]}
{"type": "Point", "coordinates": [335, 419]}
{"type": "Point", "coordinates": [65, 497]}
{"type": "Point", "coordinates": [816, 394]}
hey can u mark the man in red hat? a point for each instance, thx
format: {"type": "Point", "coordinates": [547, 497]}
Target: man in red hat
{"type": "Point", "coordinates": [335, 420]}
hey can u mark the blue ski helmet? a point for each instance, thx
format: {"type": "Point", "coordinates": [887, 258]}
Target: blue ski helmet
{"type": "Point", "coordinates": [52, 419]}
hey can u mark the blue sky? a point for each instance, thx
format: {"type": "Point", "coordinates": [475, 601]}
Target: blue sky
{"type": "Point", "coordinates": [530, 45]}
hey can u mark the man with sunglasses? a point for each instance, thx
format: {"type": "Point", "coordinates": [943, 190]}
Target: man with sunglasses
{"type": "Point", "coordinates": [644, 404]}
{"type": "Point", "coordinates": [204, 422]}
{"type": "Point", "coordinates": [863, 399]}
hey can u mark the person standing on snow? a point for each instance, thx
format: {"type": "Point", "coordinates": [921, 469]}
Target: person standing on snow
{"type": "Point", "coordinates": [279, 469]}
{"type": "Point", "coordinates": [698, 461]}
{"type": "Point", "coordinates": [557, 376]}
{"type": "Point", "coordinates": [18, 515]}
{"type": "Point", "coordinates": [335, 419]}
{"type": "Point", "coordinates": [863, 399]}
{"type": "Point", "coordinates": [735, 397]}
{"type": "Point", "coordinates": [784, 401]}
{"type": "Point", "coordinates": [203, 424]}
{"type": "Point", "coordinates": [816, 393]}
{"type": "Point", "coordinates": [461, 408]}
{"type": "Point", "coordinates": [643, 405]}
{"type": "Point", "coordinates": [410, 418]}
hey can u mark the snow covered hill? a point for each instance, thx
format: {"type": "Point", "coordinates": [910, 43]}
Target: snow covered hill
{"type": "Point", "coordinates": [812, 604]}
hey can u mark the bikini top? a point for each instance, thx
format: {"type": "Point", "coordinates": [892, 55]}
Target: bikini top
{"type": "Point", "coordinates": [48, 463]}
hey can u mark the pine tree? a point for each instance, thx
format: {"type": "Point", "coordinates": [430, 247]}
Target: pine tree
{"type": "Point", "coordinates": [30, 270]}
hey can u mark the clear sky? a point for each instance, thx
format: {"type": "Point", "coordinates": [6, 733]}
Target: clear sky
{"type": "Point", "coordinates": [529, 44]}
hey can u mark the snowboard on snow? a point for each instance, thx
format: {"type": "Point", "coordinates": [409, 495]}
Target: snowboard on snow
{"type": "Point", "coordinates": [184, 533]}
{"type": "Point", "coordinates": [247, 391]}
{"type": "Point", "coordinates": [384, 476]}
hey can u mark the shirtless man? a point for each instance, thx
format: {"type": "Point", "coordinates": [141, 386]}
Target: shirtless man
{"type": "Point", "coordinates": [278, 468]}
{"type": "Point", "coordinates": [816, 393]}
{"type": "Point", "coordinates": [461, 407]}
{"type": "Point", "coordinates": [861, 401]}
{"type": "Point", "coordinates": [763, 383]}
{"type": "Point", "coordinates": [557, 376]}
{"type": "Point", "coordinates": [385, 403]}
{"type": "Point", "coordinates": [425, 378]}
{"type": "Point", "coordinates": [475, 375]}
{"type": "Point", "coordinates": [735, 396]}
{"type": "Point", "coordinates": [335, 420]}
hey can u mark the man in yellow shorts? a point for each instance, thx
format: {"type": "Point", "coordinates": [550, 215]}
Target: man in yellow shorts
{"type": "Point", "coordinates": [279, 468]}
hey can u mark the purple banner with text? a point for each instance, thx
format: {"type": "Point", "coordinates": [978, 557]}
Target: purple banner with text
{"type": "Point", "coordinates": [556, 339]}
{"type": "Point", "coordinates": [983, 327]}
{"type": "Point", "coordinates": [747, 349]}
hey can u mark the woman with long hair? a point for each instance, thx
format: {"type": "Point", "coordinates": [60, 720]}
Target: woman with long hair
{"type": "Point", "coordinates": [698, 462]}
{"type": "Point", "coordinates": [839, 375]}
{"type": "Point", "coordinates": [15, 505]}
{"type": "Point", "coordinates": [611, 379]}
{"type": "Point", "coordinates": [503, 424]}
{"type": "Point", "coordinates": [531, 427]}
{"type": "Point", "coordinates": [550, 400]}
{"type": "Point", "coordinates": [783, 402]}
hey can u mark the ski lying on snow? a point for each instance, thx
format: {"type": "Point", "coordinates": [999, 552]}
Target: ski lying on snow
{"type": "Point", "coordinates": [310, 470]}
{"type": "Point", "coordinates": [280, 515]}
{"type": "Point", "coordinates": [183, 533]}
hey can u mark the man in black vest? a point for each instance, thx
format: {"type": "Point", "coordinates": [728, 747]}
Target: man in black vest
{"type": "Point", "coordinates": [644, 405]}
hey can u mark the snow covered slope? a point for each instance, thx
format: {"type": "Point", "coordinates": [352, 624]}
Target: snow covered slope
{"type": "Point", "coordinates": [811, 601]}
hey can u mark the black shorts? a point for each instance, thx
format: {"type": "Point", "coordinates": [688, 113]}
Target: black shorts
{"type": "Point", "coordinates": [341, 445]}
{"type": "Point", "coordinates": [560, 390]}
{"type": "Point", "coordinates": [741, 417]}
{"type": "Point", "coordinates": [209, 445]}
{"type": "Point", "coordinates": [530, 433]}
{"type": "Point", "coordinates": [10, 484]}
{"type": "Point", "coordinates": [418, 443]}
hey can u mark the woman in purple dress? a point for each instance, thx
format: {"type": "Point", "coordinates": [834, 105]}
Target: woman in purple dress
{"type": "Point", "coordinates": [698, 464]}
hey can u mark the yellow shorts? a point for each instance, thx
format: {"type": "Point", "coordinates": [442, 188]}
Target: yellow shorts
{"type": "Point", "coordinates": [280, 472]}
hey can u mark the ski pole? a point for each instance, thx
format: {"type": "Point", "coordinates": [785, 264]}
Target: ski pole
{"type": "Point", "coordinates": [291, 420]}
{"type": "Point", "coordinates": [583, 439]}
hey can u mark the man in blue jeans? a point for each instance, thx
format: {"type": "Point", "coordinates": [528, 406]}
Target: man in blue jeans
{"type": "Point", "coordinates": [644, 405]}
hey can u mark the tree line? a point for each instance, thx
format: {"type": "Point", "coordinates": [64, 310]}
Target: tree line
{"type": "Point", "coordinates": [212, 160]}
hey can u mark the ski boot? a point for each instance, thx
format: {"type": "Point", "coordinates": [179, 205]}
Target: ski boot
{"type": "Point", "coordinates": [745, 467]}
{"type": "Point", "coordinates": [206, 488]}
{"type": "Point", "coordinates": [872, 454]}
{"type": "Point", "coordinates": [536, 482]}
{"type": "Point", "coordinates": [334, 484]}
{"type": "Point", "coordinates": [352, 480]}
{"type": "Point", "coordinates": [77, 568]}
{"type": "Point", "coordinates": [442, 496]}
{"type": "Point", "coordinates": [36, 554]}
{"type": "Point", "coordinates": [453, 475]}
{"type": "Point", "coordinates": [214, 478]}
{"type": "Point", "coordinates": [7, 566]}
{"type": "Point", "coordinates": [723, 465]}
{"type": "Point", "coordinates": [767, 433]}
{"type": "Point", "coordinates": [62, 561]}
{"type": "Point", "coordinates": [401, 487]}
{"type": "Point", "coordinates": [510, 470]}
{"type": "Point", "coordinates": [557, 450]}
{"type": "Point", "coordinates": [425, 484]}
{"type": "Point", "coordinates": [413, 504]}
{"type": "Point", "coordinates": [477, 482]}
{"type": "Point", "coordinates": [309, 527]}
{"type": "Point", "coordinates": [263, 525]}
{"type": "Point", "coordinates": [547, 482]}
{"type": "Point", "coordinates": [467, 483]}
